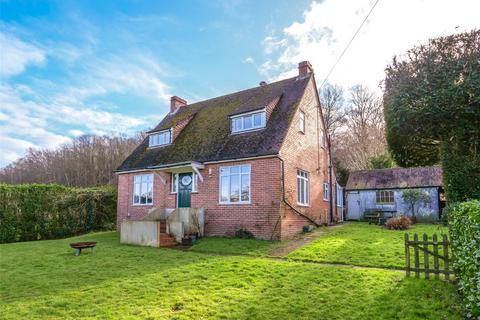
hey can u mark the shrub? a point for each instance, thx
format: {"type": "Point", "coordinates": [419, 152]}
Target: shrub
{"type": "Point", "coordinates": [34, 211]}
{"type": "Point", "coordinates": [398, 223]}
{"type": "Point", "coordinates": [244, 234]}
{"type": "Point", "coordinates": [464, 225]}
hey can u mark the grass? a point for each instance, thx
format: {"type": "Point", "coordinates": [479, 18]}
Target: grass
{"type": "Point", "coordinates": [361, 244]}
{"type": "Point", "coordinates": [235, 246]}
{"type": "Point", "coordinates": [43, 280]}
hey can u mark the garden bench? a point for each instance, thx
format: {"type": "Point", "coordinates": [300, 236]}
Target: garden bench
{"type": "Point", "coordinates": [373, 216]}
{"type": "Point", "coordinates": [78, 246]}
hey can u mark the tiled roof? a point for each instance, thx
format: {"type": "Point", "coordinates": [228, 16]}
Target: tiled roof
{"type": "Point", "coordinates": [207, 136]}
{"type": "Point", "coordinates": [395, 178]}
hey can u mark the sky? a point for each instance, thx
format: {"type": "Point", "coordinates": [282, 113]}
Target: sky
{"type": "Point", "coordinates": [69, 68]}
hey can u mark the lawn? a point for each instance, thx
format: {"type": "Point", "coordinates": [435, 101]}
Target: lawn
{"type": "Point", "coordinates": [361, 244]}
{"type": "Point", "coordinates": [44, 280]}
{"type": "Point", "coordinates": [237, 246]}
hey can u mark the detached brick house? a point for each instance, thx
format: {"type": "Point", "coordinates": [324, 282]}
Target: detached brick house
{"type": "Point", "coordinates": [257, 159]}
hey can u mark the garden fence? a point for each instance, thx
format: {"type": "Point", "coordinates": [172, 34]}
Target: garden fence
{"type": "Point", "coordinates": [435, 252]}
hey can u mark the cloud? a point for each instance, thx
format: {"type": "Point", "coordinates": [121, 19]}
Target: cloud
{"type": "Point", "coordinates": [394, 27]}
{"type": "Point", "coordinates": [248, 60]}
{"type": "Point", "coordinates": [16, 55]}
{"type": "Point", "coordinates": [76, 133]}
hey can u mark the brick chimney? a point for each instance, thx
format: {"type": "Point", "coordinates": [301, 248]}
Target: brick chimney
{"type": "Point", "coordinates": [176, 102]}
{"type": "Point", "coordinates": [304, 68]}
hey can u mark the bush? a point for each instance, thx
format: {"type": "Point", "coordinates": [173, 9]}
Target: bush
{"type": "Point", "coordinates": [244, 234]}
{"type": "Point", "coordinates": [398, 223]}
{"type": "Point", "coordinates": [464, 225]}
{"type": "Point", "coordinates": [35, 211]}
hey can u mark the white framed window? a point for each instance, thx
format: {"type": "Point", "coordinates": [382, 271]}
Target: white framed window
{"type": "Point", "coordinates": [322, 139]}
{"type": "Point", "coordinates": [248, 121]}
{"type": "Point", "coordinates": [194, 182]}
{"type": "Point", "coordinates": [303, 188]}
{"type": "Point", "coordinates": [385, 197]}
{"type": "Point", "coordinates": [301, 122]}
{"type": "Point", "coordinates": [326, 194]}
{"type": "Point", "coordinates": [143, 189]}
{"type": "Point", "coordinates": [160, 138]}
{"type": "Point", "coordinates": [174, 181]}
{"type": "Point", "coordinates": [339, 195]}
{"type": "Point", "coordinates": [235, 184]}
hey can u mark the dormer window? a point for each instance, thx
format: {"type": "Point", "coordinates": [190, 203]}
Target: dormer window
{"type": "Point", "coordinates": [248, 121]}
{"type": "Point", "coordinates": [160, 138]}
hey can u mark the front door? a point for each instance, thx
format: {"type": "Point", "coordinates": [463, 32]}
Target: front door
{"type": "Point", "coordinates": [184, 189]}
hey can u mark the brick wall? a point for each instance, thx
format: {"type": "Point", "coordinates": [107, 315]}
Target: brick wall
{"type": "Point", "coordinates": [259, 217]}
{"type": "Point", "coordinates": [304, 151]}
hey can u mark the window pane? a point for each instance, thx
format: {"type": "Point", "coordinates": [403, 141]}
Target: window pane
{"type": "Point", "coordinates": [307, 192]}
{"type": "Point", "coordinates": [149, 192]}
{"type": "Point", "coordinates": [224, 171]}
{"type": "Point", "coordinates": [247, 122]}
{"type": "Point", "coordinates": [245, 187]}
{"type": "Point", "coordinates": [224, 189]}
{"type": "Point", "coordinates": [257, 120]}
{"type": "Point", "coordinates": [235, 188]}
{"type": "Point", "coordinates": [174, 182]}
{"type": "Point", "coordinates": [299, 188]}
{"type": "Point", "coordinates": [234, 170]}
{"type": "Point", "coordinates": [245, 169]}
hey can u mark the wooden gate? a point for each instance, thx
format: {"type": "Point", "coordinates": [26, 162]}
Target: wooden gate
{"type": "Point", "coordinates": [438, 253]}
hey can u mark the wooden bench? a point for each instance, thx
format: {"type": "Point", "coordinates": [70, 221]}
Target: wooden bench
{"type": "Point", "coordinates": [373, 216]}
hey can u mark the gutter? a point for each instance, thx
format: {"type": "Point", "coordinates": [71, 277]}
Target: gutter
{"type": "Point", "coordinates": [284, 199]}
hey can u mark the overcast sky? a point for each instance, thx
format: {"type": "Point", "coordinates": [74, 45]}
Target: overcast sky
{"type": "Point", "coordinates": [69, 68]}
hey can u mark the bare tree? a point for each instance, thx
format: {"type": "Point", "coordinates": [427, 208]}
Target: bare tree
{"type": "Point", "coordinates": [364, 134]}
{"type": "Point", "coordinates": [333, 107]}
{"type": "Point", "coordinates": [87, 161]}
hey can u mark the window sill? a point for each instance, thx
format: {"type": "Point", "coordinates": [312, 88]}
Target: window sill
{"type": "Point", "coordinates": [303, 205]}
{"type": "Point", "coordinates": [247, 131]}
{"type": "Point", "coordinates": [142, 205]}
{"type": "Point", "coordinates": [234, 203]}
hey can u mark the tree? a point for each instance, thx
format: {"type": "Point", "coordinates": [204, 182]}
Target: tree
{"type": "Point", "coordinates": [382, 161]}
{"type": "Point", "coordinates": [333, 107]}
{"type": "Point", "coordinates": [432, 110]}
{"type": "Point", "coordinates": [363, 136]}
{"type": "Point", "coordinates": [414, 197]}
{"type": "Point", "coordinates": [87, 161]}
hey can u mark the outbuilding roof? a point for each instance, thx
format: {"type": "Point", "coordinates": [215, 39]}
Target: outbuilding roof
{"type": "Point", "coordinates": [207, 136]}
{"type": "Point", "coordinates": [395, 178]}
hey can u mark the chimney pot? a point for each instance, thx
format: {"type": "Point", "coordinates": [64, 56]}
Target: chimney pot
{"type": "Point", "coordinates": [304, 68]}
{"type": "Point", "coordinates": [263, 83]}
{"type": "Point", "coordinates": [176, 103]}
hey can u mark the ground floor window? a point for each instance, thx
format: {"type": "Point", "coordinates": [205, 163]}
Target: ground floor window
{"type": "Point", "coordinates": [385, 197]}
{"type": "Point", "coordinates": [339, 194]}
{"type": "Point", "coordinates": [143, 189]}
{"type": "Point", "coordinates": [235, 184]}
{"type": "Point", "coordinates": [303, 188]}
{"type": "Point", "coordinates": [326, 195]}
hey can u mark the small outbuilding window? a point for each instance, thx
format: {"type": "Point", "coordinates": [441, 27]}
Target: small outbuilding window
{"type": "Point", "coordinates": [385, 197]}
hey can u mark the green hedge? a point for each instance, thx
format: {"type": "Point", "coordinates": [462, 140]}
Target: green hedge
{"type": "Point", "coordinates": [464, 225]}
{"type": "Point", "coordinates": [37, 211]}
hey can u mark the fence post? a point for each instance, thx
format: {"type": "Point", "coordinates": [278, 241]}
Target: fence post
{"type": "Point", "coordinates": [407, 255]}
{"type": "Point", "coordinates": [425, 256]}
{"type": "Point", "coordinates": [435, 256]}
{"type": "Point", "coordinates": [417, 257]}
{"type": "Point", "coordinates": [445, 256]}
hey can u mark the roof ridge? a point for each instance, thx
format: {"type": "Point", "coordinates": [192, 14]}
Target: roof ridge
{"type": "Point", "coordinates": [397, 168]}
{"type": "Point", "coordinates": [241, 91]}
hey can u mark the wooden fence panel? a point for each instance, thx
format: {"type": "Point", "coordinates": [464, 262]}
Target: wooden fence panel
{"type": "Point", "coordinates": [423, 247]}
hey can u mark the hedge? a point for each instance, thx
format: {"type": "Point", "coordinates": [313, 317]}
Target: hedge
{"type": "Point", "coordinates": [464, 225]}
{"type": "Point", "coordinates": [38, 211]}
